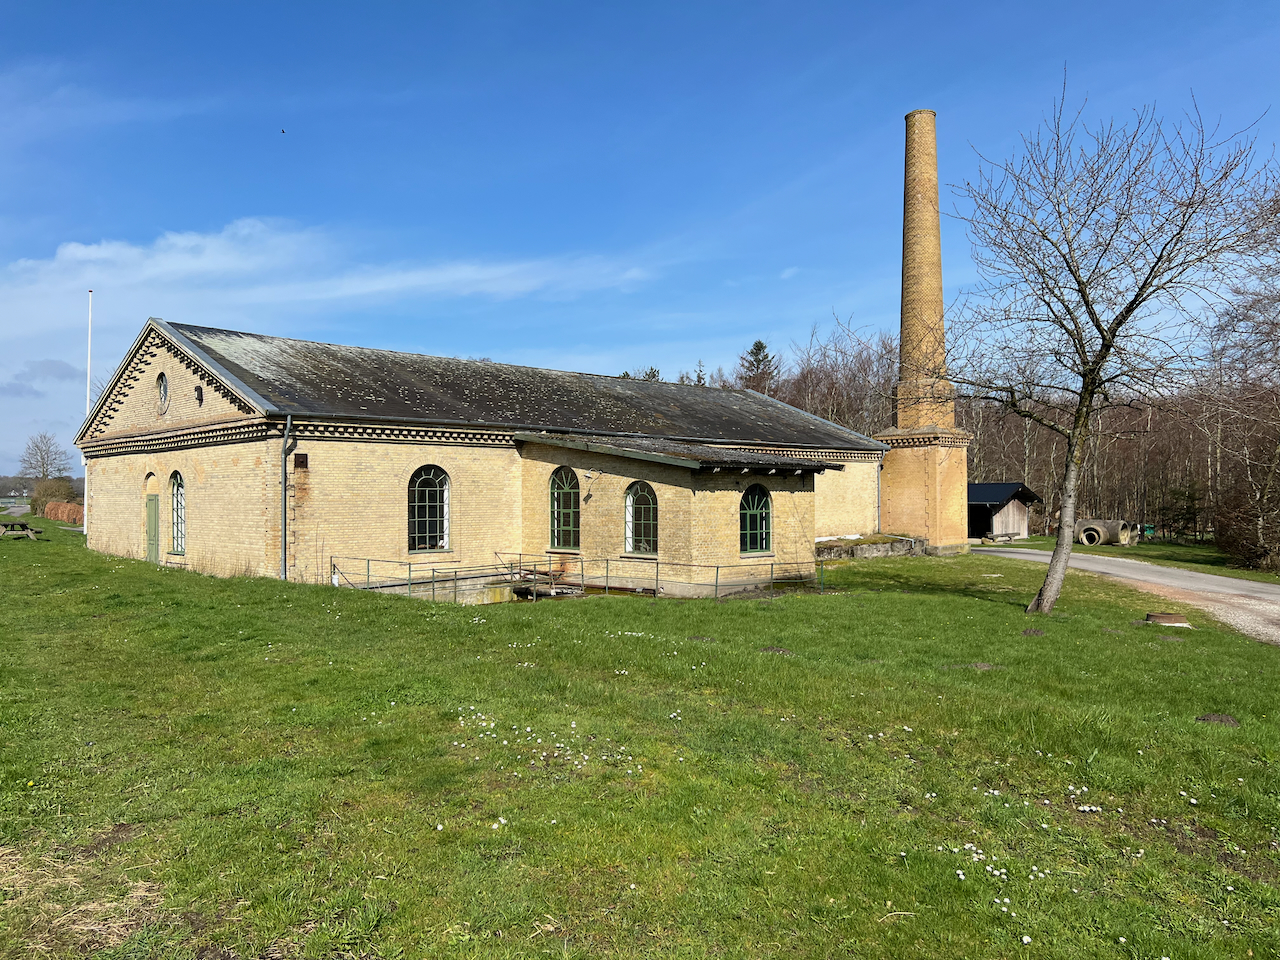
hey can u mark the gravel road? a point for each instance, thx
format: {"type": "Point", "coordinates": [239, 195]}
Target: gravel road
{"type": "Point", "coordinates": [1252, 607]}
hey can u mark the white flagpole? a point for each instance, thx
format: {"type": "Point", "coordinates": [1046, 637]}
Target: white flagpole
{"type": "Point", "coordinates": [88, 395]}
{"type": "Point", "coordinates": [88, 372]}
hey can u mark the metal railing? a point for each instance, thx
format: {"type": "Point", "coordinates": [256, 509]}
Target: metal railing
{"type": "Point", "coordinates": [530, 576]}
{"type": "Point", "coordinates": [415, 579]}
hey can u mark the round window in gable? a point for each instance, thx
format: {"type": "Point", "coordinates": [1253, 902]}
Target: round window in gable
{"type": "Point", "coordinates": [162, 393]}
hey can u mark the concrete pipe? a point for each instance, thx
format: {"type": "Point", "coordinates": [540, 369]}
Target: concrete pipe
{"type": "Point", "coordinates": [1095, 533]}
{"type": "Point", "coordinates": [1092, 532]}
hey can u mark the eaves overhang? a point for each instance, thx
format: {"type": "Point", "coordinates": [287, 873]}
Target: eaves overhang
{"type": "Point", "coordinates": [737, 459]}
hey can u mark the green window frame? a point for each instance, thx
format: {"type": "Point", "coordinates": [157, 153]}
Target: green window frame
{"type": "Point", "coordinates": [566, 510]}
{"type": "Point", "coordinates": [754, 521]}
{"type": "Point", "coordinates": [178, 500]}
{"type": "Point", "coordinates": [428, 509]}
{"type": "Point", "coordinates": [642, 519]}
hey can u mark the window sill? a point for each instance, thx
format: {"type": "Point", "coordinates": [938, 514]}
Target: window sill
{"type": "Point", "coordinates": [565, 551]}
{"type": "Point", "coordinates": [756, 556]}
{"type": "Point", "coordinates": [175, 553]}
{"type": "Point", "coordinates": [638, 556]}
{"type": "Point", "coordinates": [430, 553]}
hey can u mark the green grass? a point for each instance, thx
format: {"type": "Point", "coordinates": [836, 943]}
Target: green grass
{"type": "Point", "coordinates": [194, 767]}
{"type": "Point", "coordinates": [1201, 557]}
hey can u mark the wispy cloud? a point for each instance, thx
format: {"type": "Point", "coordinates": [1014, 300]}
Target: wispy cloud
{"type": "Point", "coordinates": [43, 100]}
{"type": "Point", "coordinates": [262, 262]}
{"type": "Point", "coordinates": [23, 382]}
{"type": "Point", "coordinates": [16, 388]}
{"type": "Point", "coordinates": [253, 274]}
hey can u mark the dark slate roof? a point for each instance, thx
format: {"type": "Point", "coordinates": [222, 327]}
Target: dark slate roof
{"type": "Point", "coordinates": [696, 456]}
{"type": "Point", "coordinates": [998, 494]}
{"type": "Point", "coordinates": [323, 380]}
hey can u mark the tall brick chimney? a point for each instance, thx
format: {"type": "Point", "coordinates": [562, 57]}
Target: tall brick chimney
{"type": "Point", "coordinates": [923, 397]}
{"type": "Point", "coordinates": [925, 475]}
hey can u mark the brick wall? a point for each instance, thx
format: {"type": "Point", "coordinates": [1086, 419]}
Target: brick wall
{"type": "Point", "coordinates": [698, 513]}
{"type": "Point", "coordinates": [847, 499]}
{"type": "Point", "coordinates": [926, 494]}
{"type": "Point", "coordinates": [352, 501]}
{"type": "Point", "coordinates": [603, 482]}
{"type": "Point", "coordinates": [715, 528]}
{"type": "Point", "coordinates": [228, 506]}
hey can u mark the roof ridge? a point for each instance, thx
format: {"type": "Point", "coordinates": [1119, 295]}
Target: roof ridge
{"type": "Point", "coordinates": [338, 381]}
{"type": "Point", "coordinates": [439, 356]}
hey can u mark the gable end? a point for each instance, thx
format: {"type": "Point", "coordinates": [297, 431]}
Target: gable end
{"type": "Point", "coordinates": [122, 404]}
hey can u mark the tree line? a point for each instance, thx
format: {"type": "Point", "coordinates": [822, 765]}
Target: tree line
{"type": "Point", "coordinates": [1119, 348]}
{"type": "Point", "coordinates": [1198, 463]}
{"type": "Point", "coordinates": [45, 476]}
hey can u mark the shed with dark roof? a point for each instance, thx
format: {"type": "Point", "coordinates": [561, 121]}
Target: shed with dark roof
{"type": "Point", "coordinates": [1000, 510]}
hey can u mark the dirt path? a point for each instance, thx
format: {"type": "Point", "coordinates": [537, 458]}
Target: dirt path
{"type": "Point", "coordinates": [1250, 606]}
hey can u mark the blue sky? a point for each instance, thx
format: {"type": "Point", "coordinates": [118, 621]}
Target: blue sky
{"type": "Point", "coordinates": [585, 186]}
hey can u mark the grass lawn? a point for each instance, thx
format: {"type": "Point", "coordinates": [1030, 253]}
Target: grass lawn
{"type": "Point", "coordinates": [1202, 557]}
{"type": "Point", "coordinates": [908, 766]}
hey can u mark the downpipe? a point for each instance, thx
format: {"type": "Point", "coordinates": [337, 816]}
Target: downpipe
{"type": "Point", "coordinates": [284, 499]}
{"type": "Point", "coordinates": [879, 479]}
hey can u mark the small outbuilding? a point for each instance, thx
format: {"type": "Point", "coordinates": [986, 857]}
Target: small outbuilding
{"type": "Point", "coordinates": [1000, 510]}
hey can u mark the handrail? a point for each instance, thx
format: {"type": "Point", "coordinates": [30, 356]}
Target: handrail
{"type": "Point", "coordinates": [572, 574]}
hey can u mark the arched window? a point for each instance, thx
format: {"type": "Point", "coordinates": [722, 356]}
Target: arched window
{"type": "Point", "coordinates": [566, 510]}
{"type": "Point", "coordinates": [642, 519]}
{"type": "Point", "coordinates": [162, 394]}
{"type": "Point", "coordinates": [753, 520]}
{"type": "Point", "coordinates": [178, 496]}
{"type": "Point", "coordinates": [429, 509]}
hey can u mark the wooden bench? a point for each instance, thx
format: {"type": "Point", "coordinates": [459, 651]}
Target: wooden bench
{"type": "Point", "coordinates": [18, 528]}
{"type": "Point", "coordinates": [998, 538]}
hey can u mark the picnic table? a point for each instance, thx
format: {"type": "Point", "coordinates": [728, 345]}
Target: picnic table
{"type": "Point", "coordinates": [14, 527]}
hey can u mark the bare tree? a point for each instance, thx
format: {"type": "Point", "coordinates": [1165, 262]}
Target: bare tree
{"type": "Point", "coordinates": [100, 383]}
{"type": "Point", "coordinates": [44, 458]}
{"type": "Point", "coordinates": [844, 378]}
{"type": "Point", "coordinates": [1098, 249]}
{"type": "Point", "coordinates": [1238, 407]}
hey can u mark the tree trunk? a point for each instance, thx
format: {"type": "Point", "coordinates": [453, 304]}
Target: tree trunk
{"type": "Point", "coordinates": [1052, 587]}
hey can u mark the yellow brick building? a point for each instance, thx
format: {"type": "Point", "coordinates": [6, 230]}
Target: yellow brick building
{"type": "Point", "coordinates": [234, 453]}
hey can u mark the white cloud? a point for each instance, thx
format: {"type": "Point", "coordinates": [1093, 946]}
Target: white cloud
{"type": "Point", "coordinates": [788, 273]}
{"type": "Point", "coordinates": [253, 274]}
{"type": "Point", "coordinates": [254, 261]}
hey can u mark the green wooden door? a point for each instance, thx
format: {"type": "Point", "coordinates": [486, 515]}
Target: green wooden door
{"type": "Point", "coordinates": [153, 527]}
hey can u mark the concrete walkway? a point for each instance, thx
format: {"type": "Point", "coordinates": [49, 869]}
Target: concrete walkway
{"type": "Point", "coordinates": [1252, 607]}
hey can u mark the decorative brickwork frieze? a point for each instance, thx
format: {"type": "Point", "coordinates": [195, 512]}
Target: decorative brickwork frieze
{"type": "Point", "coordinates": [130, 406]}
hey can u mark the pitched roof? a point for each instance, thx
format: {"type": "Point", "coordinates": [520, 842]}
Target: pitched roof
{"type": "Point", "coordinates": [998, 494]}
{"type": "Point", "coordinates": [327, 381]}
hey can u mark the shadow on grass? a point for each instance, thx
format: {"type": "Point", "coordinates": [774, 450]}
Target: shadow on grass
{"type": "Point", "coordinates": [934, 577]}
